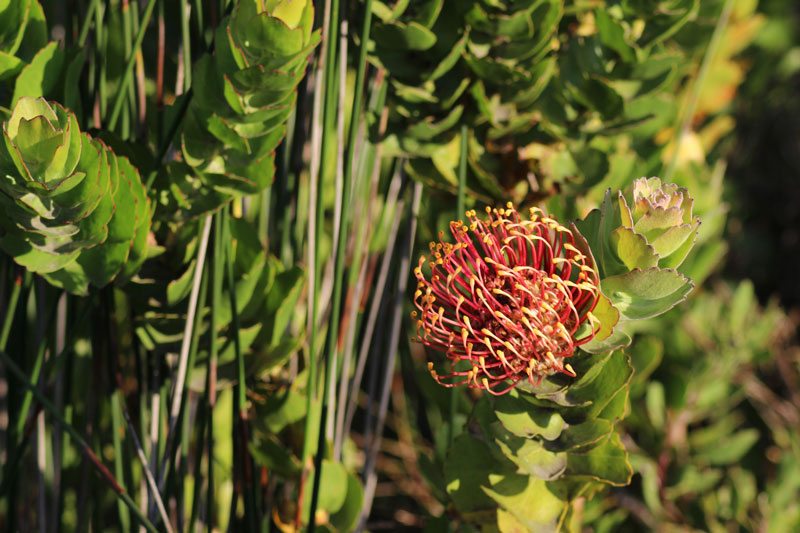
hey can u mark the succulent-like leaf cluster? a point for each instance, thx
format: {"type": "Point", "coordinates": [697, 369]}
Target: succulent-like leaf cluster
{"type": "Point", "coordinates": [73, 211]}
{"type": "Point", "coordinates": [547, 444]}
{"type": "Point", "coordinates": [237, 116]}
{"type": "Point", "coordinates": [538, 87]}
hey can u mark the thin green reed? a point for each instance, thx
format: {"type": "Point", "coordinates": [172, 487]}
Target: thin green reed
{"type": "Point", "coordinates": [84, 447]}
{"type": "Point", "coordinates": [87, 21]}
{"type": "Point", "coordinates": [313, 417]}
{"type": "Point", "coordinates": [128, 113]}
{"type": "Point", "coordinates": [364, 194]}
{"type": "Point", "coordinates": [211, 376]}
{"type": "Point", "coordinates": [118, 428]}
{"type": "Point", "coordinates": [341, 238]}
{"type": "Point", "coordinates": [186, 427]}
{"type": "Point", "coordinates": [186, 40]}
{"type": "Point", "coordinates": [128, 71]}
{"type": "Point", "coordinates": [100, 59]}
{"type": "Point", "coordinates": [12, 302]}
{"type": "Point", "coordinates": [35, 373]}
{"type": "Point", "coordinates": [240, 404]}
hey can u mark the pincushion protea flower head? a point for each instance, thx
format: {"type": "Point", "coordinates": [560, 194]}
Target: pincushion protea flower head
{"type": "Point", "coordinates": [510, 300]}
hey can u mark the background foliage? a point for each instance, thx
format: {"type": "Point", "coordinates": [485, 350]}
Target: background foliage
{"type": "Point", "coordinates": [215, 330]}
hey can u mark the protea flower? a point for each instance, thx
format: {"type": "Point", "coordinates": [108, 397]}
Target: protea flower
{"type": "Point", "coordinates": [510, 300]}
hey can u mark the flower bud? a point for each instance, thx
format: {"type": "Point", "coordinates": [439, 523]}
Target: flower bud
{"type": "Point", "coordinates": [662, 214]}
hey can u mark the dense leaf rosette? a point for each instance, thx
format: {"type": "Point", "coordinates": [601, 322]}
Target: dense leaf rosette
{"type": "Point", "coordinates": [237, 116]}
{"type": "Point", "coordinates": [72, 210]}
{"type": "Point", "coordinates": [510, 300]}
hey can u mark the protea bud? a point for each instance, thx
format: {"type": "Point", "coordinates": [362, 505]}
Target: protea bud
{"type": "Point", "coordinates": [662, 214]}
{"type": "Point", "coordinates": [510, 300]}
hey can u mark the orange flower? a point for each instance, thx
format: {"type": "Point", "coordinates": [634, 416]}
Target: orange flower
{"type": "Point", "coordinates": [510, 300]}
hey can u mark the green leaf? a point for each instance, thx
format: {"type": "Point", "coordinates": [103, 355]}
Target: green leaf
{"type": "Point", "coordinates": [731, 449]}
{"type": "Point", "coordinates": [646, 354]}
{"type": "Point", "coordinates": [267, 451]}
{"type": "Point", "coordinates": [42, 75]}
{"type": "Point", "coordinates": [533, 457]}
{"type": "Point", "coordinates": [281, 409]}
{"type": "Point", "coordinates": [494, 72]}
{"type": "Point", "coordinates": [607, 463]}
{"type": "Point", "coordinates": [269, 36]}
{"type": "Point", "coordinates": [646, 293]}
{"type": "Point", "coordinates": [693, 480]}
{"type": "Point", "coordinates": [655, 404]}
{"type": "Point", "coordinates": [525, 420]}
{"type": "Point", "coordinates": [508, 523]}
{"type": "Point", "coordinates": [9, 65]}
{"type": "Point", "coordinates": [674, 238]}
{"type": "Point", "coordinates": [429, 128]}
{"type": "Point", "coordinates": [71, 278]}
{"type": "Point", "coordinates": [529, 500]}
{"type": "Point", "coordinates": [617, 408]}
{"type": "Point", "coordinates": [282, 301]}
{"type": "Point", "coordinates": [741, 307]}
{"type": "Point", "coordinates": [450, 60]}
{"type": "Point", "coordinates": [399, 36]}
{"type": "Point", "coordinates": [331, 496]}
{"type": "Point", "coordinates": [467, 469]}
{"type": "Point", "coordinates": [593, 391]}
{"type": "Point", "coordinates": [102, 263]}
{"type": "Point", "coordinates": [662, 26]}
{"type": "Point", "coordinates": [618, 339]}
{"type": "Point", "coordinates": [518, 25]}
{"type": "Point", "coordinates": [12, 24]}
{"type": "Point", "coordinates": [612, 34]}
{"type": "Point", "coordinates": [72, 97]}
{"type": "Point", "coordinates": [346, 518]}
{"type": "Point", "coordinates": [180, 287]}
{"type": "Point", "coordinates": [632, 248]}
{"type": "Point", "coordinates": [274, 357]}
{"type": "Point", "coordinates": [32, 259]}
{"type": "Point", "coordinates": [37, 141]}
{"type": "Point", "coordinates": [581, 435]}
{"type": "Point", "coordinates": [35, 36]}
{"type": "Point", "coordinates": [610, 336]}
{"type": "Point", "coordinates": [596, 227]}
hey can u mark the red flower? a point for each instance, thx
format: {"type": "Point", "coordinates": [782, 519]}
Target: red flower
{"type": "Point", "coordinates": [507, 301]}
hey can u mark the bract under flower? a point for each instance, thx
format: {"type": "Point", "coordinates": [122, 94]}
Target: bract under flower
{"type": "Point", "coordinates": [507, 301]}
